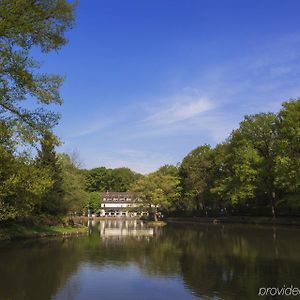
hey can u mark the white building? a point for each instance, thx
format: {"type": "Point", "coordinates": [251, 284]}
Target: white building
{"type": "Point", "coordinates": [120, 204]}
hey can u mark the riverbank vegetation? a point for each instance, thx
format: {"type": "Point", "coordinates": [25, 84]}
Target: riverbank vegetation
{"type": "Point", "coordinates": [16, 231]}
{"type": "Point", "coordinates": [31, 174]}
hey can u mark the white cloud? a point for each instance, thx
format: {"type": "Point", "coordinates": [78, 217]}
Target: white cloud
{"type": "Point", "coordinates": [180, 110]}
{"type": "Point", "coordinates": [90, 129]}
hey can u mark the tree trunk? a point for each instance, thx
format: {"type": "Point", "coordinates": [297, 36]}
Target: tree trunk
{"type": "Point", "coordinates": [155, 216]}
{"type": "Point", "coordinates": [273, 204]}
{"type": "Point", "coordinates": [199, 204]}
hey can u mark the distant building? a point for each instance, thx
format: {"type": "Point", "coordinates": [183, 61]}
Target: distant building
{"type": "Point", "coordinates": [120, 204]}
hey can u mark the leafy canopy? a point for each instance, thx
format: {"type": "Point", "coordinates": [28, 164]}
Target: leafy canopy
{"type": "Point", "coordinates": [25, 25]}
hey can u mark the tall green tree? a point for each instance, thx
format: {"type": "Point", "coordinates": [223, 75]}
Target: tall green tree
{"type": "Point", "coordinates": [195, 172]}
{"type": "Point", "coordinates": [52, 202]}
{"type": "Point", "coordinates": [250, 163]}
{"type": "Point", "coordinates": [24, 25]}
{"type": "Point", "coordinates": [287, 165]}
{"type": "Point", "coordinates": [75, 198]}
{"type": "Point", "coordinates": [96, 179]}
{"type": "Point", "coordinates": [219, 171]}
{"type": "Point", "coordinates": [22, 183]}
{"type": "Point", "coordinates": [158, 191]}
{"type": "Point", "coordinates": [238, 180]}
{"type": "Point", "coordinates": [103, 179]}
{"type": "Point", "coordinates": [94, 202]}
{"type": "Point", "coordinates": [122, 179]}
{"type": "Point", "coordinates": [27, 25]}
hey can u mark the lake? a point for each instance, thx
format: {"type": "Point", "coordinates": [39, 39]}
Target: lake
{"type": "Point", "coordinates": [128, 260]}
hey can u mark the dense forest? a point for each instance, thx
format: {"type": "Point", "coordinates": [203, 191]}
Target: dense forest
{"type": "Point", "coordinates": [255, 171]}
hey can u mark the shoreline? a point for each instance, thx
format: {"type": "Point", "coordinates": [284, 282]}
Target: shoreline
{"type": "Point", "coordinates": [290, 221]}
{"type": "Point", "coordinates": [19, 232]}
{"type": "Point", "coordinates": [85, 218]}
{"type": "Point", "coordinates": [286, 221]}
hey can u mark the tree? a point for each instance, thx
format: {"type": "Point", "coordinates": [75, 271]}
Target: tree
{"type": "Point", "coordinates": [250, 163]}
{"type": "Point", "coordinates": [287, 163]}
{"type": "Point", "coordinates": [23, 184]}
{"type": "Point", "coordinates": [288, 159]}
{"type": "Point", "coordinates": [122, 179]}
{"type": "Point", "coordinates": [52, 202]}
{"type": "Point", "coordinates": [103, 179]}
{"type": "Point", "coordinates": [94, 201]}
{"type": "Point", "coordinates": [219, 171]}
{"type": "Point", "coordinates": [24, 25]}
{"type": "Point", "coordinates": [22, 188]}
{"type": "Point", "coordinates": [158, 191]}
{"type": "Point", "coordinates": [238, 180]}
{"type": "Point", "coordinates": [195, 173]}
{"type": "Point", "coordinates": [75, 197]}
{"type": "Point", "coordinates": [97, 179]}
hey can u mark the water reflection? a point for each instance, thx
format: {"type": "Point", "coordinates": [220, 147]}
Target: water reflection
{"type": "Point", "coordinates": [122, 229]}
{"type": "Point", "coordinates": [128, 260]}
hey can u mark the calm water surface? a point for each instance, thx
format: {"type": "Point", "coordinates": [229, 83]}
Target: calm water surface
{"type": "Point", "coordinates": [127, 260]}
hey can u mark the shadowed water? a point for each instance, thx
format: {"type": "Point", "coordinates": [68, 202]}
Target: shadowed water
{"type": "Point", "coordinates": [128, 260]}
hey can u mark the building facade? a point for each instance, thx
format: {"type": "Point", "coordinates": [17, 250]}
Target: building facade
{"type": "Point", "coordinates": [120, 204]}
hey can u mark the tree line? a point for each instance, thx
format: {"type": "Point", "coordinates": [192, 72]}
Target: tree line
{"type": "Point", "coordinates": [255, 171]}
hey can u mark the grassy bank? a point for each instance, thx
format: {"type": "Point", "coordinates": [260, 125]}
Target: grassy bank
{"type": "Point", "coordinates": [20, 231]}
{"type": "Point", "coordinates": [295, 221]}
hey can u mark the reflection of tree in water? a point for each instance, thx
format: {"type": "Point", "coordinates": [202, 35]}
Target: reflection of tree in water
{"type": "Point", "coordinates": [235, 261]}
{"type": "Point", "coordinates": [231, 262]}
{"type": "Point", "coordinates": [36, 269]}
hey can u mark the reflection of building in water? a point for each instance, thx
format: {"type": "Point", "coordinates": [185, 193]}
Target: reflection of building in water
{"type": "Point", "coordinates": [119, 204]}
{"type": "Point", "coordinates": [117, 230]}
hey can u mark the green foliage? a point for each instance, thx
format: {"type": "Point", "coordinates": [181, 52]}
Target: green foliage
{"type": "Point", "coordinates": [257, 167]}
{"type": "Point", "coordinates": [29, 186]}
{"type": "Point", "coordinates": [240, 181]}
{"type": "Point", "coordinates": [288, 156]}
{"type": "Point", "coordinates": [94, 201]}
{"type": "Point", "coordinates": [52, 202]}
{"type": "Point", "coordinates": [195, 172]}
{"type": "Point", "coordinates": [26, 24]}
{"type": "Point", "coordinates": [103, 179]}
{"type": "Point", "coordinates": [22, 187]}
{"type": "Point", "coordinates": [75, 197]}
{"type": "Point", "coordinates": [160, 189]}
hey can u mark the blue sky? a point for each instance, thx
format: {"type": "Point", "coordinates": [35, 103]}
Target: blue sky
{"type": "Point", "coordinates": [147, 81]}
